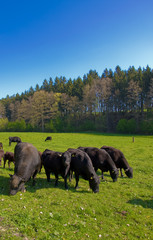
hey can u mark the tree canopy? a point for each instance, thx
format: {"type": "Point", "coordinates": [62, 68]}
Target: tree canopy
{"type": "Point", "coordinates": [92, 103]}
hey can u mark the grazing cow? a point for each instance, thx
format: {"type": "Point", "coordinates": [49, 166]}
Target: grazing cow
{"type": "Point", "coordinates": [101, 160]}
{"type": "Point", "coordinates": [14, 139]}
{"type": "Point", "coordinates": [48, 138]}
{"type": "Point", "coordinates": [10, 157]}
{"type": "Point", "coordinates": [81, 164]}
{"type": "Point", "coordinates": [27, 165]}
{"type": "Point", "coordinates": [1, 145]}
{"type": "Point", "coordinates": [1, 155]}
{"type": "Point", "coordinates": [56, 163]}
{"type": "Point", "coordinates": [119, 160]}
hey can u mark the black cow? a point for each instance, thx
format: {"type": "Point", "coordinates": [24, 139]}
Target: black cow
{"type": "Point", "coordinates": [56, 163]}
{"type": "Point", "coordinates": [81, 164]}
{"type": "Point", "coordinates": [1, 145]}
{"type": "Point", "coordinates": [48, 138]}
{"type": "Point", "coordinates": [10, 157]}
{"type": "Point", "coordinates": [101, 160]}
{"type": "Point", "coordinates": [14, 139]}
{"type": "Point", "coordinates": [27, 165]}
{"type": "Point", "coordinates": [119, 160]}
{"type": "Point", "coordinates": [1, 155]}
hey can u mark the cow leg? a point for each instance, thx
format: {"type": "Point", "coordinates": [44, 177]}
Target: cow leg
{"type": "Point", "coordinates": [40, 168]}
{"type": "Point", "coordinates": [65, 181]}
{"type": "Point", "coordinates": [70, 176]}
{"type": "Point", "coordinates": [102, 175]}
{"type": "Point", "coordinates": [56, 179]}
{"type": "Point", "coordinates": [8, 163]}
{"type": "Point", "coordinates": [77, 180]}
{"type": "Point", "coordinates": [4, 162]}
{"type": "Point", "coordinates": [34, 177]}
{"type": "Point", "coordinates": [22, 187]}
{"type": "Point", "coordinates": [121, 172]}
{"type": "Point", "coordinates": [48, 175]}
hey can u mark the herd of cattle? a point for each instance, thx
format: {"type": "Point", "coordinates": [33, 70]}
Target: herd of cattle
{"type": "Point", "coordinates": [83, 161]}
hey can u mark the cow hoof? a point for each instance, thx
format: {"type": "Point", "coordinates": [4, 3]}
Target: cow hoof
{"type": "Point", "coordinates": [23, 190]}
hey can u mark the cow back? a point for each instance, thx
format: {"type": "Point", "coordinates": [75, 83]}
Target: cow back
{"type": "Point", "coordinates": [27, 160]}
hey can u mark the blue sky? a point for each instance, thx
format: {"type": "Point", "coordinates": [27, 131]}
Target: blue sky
{"type": "Point", "coordinates": [49, 38]}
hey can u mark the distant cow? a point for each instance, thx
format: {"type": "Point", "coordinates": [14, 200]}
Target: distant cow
{"type": "Point", "coordinates": [1, 156]}
{"type": "Point", "coordinates": [10, 157]}
{"type": "Point", "coordinates": [119, 160]}
{"type": "Point", "coordinates": [1, 145]}
{"type": "Point", "coordinates": [27, 165]}
{"type": "Point", "coordinates": [48, 138]}
{"type": "Point", "coordinates": [14, 139]}
{"type": "Point", "coordinates": [101, 160]}
{"type": "Point", "coordinates": [56, 163]}
{"type": "Point", "coordinates": [81, 164]}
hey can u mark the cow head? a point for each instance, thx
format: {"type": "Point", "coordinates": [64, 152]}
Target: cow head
{"type": "Point", "coordinates": [114, 174]}
{"type": "Point", "coordinates": [66, 160]}
{"type": "Point", "coordinates": [94, 183]}
{"type": "Point", "coordinates": [15, 183]}
{"type": "Point", "coordinates": [129, 172]}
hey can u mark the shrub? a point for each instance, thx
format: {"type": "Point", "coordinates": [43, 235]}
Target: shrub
{"type": "Point", "coordinates": [131, 126]}
{"type": "Point", "coordinates": [49, 127]}
{"type": "Point", "coordinates": [126, 126]}
{"type": "Point", "coordinates": [146, 127]}
{"type": "Point", "coordinates": [3, 124]}
{"type": "Point", "coordinates": [122, 126]}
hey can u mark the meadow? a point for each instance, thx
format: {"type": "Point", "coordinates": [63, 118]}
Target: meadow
{"type": "Point", "coordinates": [121, 210]}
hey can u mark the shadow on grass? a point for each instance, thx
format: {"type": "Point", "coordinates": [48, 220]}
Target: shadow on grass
{"type": "Point", "coordinates": [4, 185]}
{"type": "Point", "coordinates": [42, 183]}
{"type": "Point", "coordinates": [143, 203]}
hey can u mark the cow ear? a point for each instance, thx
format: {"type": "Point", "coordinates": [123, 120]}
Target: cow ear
{"type": "Point", "coordinates": [11, 175]}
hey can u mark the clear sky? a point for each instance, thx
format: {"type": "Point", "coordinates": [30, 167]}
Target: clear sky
{"type": "Point", "coordinates": [40, 39]}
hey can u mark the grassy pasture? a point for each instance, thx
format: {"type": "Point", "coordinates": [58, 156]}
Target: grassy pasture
{"type": "Point", "coordinates": [121, 210]}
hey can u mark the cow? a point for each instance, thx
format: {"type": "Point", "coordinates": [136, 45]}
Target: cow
{"type": "Point", "coordinates": [101, 160]}
{"type": "Point", "coordinates": [119, 160]}
{"type": "Point", "coordinates": [27, 165]}
{"type": "Point", "coordinates": [10, 157]}
{"type": "Point", "coordinates": [48, 138]}
{"type": "Point", "coordinates": [14, 139]}
{"type": "Point", "coordinates": [56, 163]}
{"type": "Point", "coordinates": [1, 155]}
{"type": "Point", "coordinates": [1, 145]}
{"type": "Point", "coordinates": [81, 165]}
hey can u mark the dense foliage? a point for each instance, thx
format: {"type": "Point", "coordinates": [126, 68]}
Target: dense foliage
{"type": "Point", "coordinates": [116, 101]}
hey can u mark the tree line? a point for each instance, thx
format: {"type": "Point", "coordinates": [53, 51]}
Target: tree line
{"type": "Point", "coordinates": [119, 101]}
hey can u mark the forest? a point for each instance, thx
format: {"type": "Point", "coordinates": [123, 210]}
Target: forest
{"type": "Point", "coordinates": [115, 102]}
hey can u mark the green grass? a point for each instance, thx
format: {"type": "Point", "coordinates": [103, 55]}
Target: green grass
{"type": "Point", "coordinates": [121, 210]}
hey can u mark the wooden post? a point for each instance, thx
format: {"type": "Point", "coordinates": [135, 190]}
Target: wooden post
{"type": "Point", "coordinates": [133, 139]}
